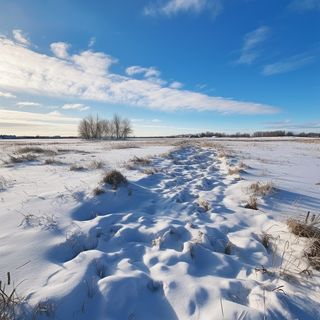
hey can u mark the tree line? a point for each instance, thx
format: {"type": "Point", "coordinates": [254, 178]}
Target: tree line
{"type": "Point", "coordinates": [96, 128]}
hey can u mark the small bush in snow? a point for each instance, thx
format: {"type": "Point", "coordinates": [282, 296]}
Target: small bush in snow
{"type": "Point", "coordinates": [252, 203]}
{"type": "Point", "coordinates": [114, 178]}
{"type": "Point", "coordinates": [19, 159]}
{"type": "Point", "coordinates": [234, 170]}
{"type": "Point", "coordinates": [95, 164]}
{"type": "Point", "coordinates": [261, 188]}
{"type": "Point", "coordinates": [140, 161]}
{"type": "Point", "coordinates": [97, 191]}
{"type": "Point", "coordinates": [29, 149]}
{"type": "Point", "coordinates": [76, 167]}
{"type": "Point", "coordinates": [9, 301]}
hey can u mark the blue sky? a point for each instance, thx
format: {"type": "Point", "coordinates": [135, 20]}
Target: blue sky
{"type": "Point", "coordinates": [171, 66]}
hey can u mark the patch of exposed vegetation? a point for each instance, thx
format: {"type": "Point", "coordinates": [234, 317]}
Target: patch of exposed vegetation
{"type": "Point", "coordinates": [114, 178]}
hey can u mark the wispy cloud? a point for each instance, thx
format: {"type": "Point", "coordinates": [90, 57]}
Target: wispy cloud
{"type": "Point", "coordinates": [87, 76]}
{"type": "Point", "coordinates": [146, 72]}
{"type": "Point", "coordinates": [20, 37]}
{"type": "Point", "coordinates": [75, 106]}
{"type": "Point", "coordinates": [290, 125]}
{"type": "Point", "coordinates": [92, 42]}
{"type": "Point", "coordinates": [28, 104]}
{"type": "Point", "coordinates": [60, 49]}
{"type": "Point", "coordinates": [250, 49]}
{"type": "Point", "coordinates": [305, 5]}
{"type": "Point", "coordinates": [7, 95]}
{"type": "Point", "coordinates": [37, 123]}
{"type": "Point", "coordinates": [176, 85]}
{"type": "Point", "coordinates": [289, 64]}
{"type": "Point", "coordinates": [173, 7]}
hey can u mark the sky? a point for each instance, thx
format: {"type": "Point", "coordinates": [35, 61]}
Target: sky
{"type": "Point", "coordinates": [170, 66]}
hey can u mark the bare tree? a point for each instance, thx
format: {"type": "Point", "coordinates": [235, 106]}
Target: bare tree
{"type": "Point", "coordinates": [84, 129]}
{"type": "Point", "coordinates": [116, 121]}
{"type": "Point", "coordinates": [126, 128]}
{"type": "Point", "coordinates": [94, 128]}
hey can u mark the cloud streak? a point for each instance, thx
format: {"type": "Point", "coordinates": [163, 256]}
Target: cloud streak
{"type": "Point", "coordinates": [28, 104]}
{"type": "Point", "coordinates": [287, 65]}
{"type": "Point", "coordinates": [37, 123]}
{"type": "Point", "coordinates": [7, 95]}
{"type": "Point", "coordinates": [87, 76]}
{"type": "Point", "coordinates": [250, 49]}
{"type": "Point", "coordinates": [75, 106]}
{"type": "Point", "coordinates": [173, 7]}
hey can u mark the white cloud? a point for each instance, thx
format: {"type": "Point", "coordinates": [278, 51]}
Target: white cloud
{"type": "Point", "coordinates": [146, 72]}
{"type": "Point", "coordinates": [289, 125]}
{"type": "Point", "coordinates": [28, 104]}
{"type": "Point", "coordinates": [305, 5]}
{"type": "Point", "coordinates": [60, 49]}
{"type": "Point", "coordinates": [55, 113]}
{"type": "Point", "coordinates": [87, 76]}
{"type": "Point", "coordinates": [156, 120]}
{"type": "Point", "coordinates": [250, 51]}
{"type": "Point", "coordinates": [21, 122]}
{"type": "Point", "coordinates": [75, 106]}
{"type": "Point", "coordinates": [172, 7]}
{"type": "Point", "coordinates": [7, 95]}
{"type": "Point", "coordinates": [176, 85]}
{"type": "Point", "coordinates": [20, 37]}
{"type": "Point", "coordinates": [92, 42]}
{"type": "Point", "coordinates": [290, 64]}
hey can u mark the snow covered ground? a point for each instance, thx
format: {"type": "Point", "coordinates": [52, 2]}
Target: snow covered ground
{"type": "Point", "coordinates": [176, 242]}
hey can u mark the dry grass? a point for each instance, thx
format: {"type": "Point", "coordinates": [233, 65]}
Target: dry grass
{"type": "Point", "coordinates": [150, 171]}
{"type": "Point", "coordinates": [140, 161]}
{"type": "Point", "coordinates": [252, 203]}
{"type": "Point", "coordinates": [308, 228]}
{"type": "Point", "coordinates": [3, 185]}
{"type": "Point", "coordinates": [204, 204]}
{"type": "Point", "coordinates": [114, 178]}
{"type": "Point", "coordinates": [124, 145]}
{"type": "Point", "coordinates": [9, 301]}
{"type": "Point", "coordinates": [261, 188]}
{"type": "Point", "coordinates": [234, 170]}
{"type": "Point", "coordinates": [98, 191]}
{"type": "Point", "coordinates": [96, 164]}
{"type": "Point", "coordinates": [76, 167]}
{"type": "Point", "coordinates": [20, 159]}
{"type": "Point", "coordinates": [33, 149]}
{"type": "Point", "coordinates": [51, 161]}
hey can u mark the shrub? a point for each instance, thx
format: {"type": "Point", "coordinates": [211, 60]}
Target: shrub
{"type": "Point", "coordinates": [204, 204]}
{"type": "Point", "coordinates": [9, 301]}
{"type": "Point", "coordinates": [114, 178]}
{"type": "Point", "coordinates": [261, 188]}
{"type": "Point", "coordinates": [308, 228]}
{"type": "Point", "coordinates": [252, 203]}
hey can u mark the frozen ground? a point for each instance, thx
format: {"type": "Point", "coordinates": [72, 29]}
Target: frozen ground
{"type": "Point", "coordinates": [176, 242]}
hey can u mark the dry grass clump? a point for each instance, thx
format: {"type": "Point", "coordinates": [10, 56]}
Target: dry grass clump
{"type": "Point", "coordinates": [265, 240]}
{"type": "Point", "coordinates": [114, 178]}
{"type": "Point", "coordinates": [98, 191]}
{"type": "Point", "coordinates": [9, 301]}
{"type": "Point", "coordinates": [261, 188]}
{"type": "Point", "coordinates": [204, 204]}
{"type": "Point", "coordinates": [3, 184]}
{"type": "Point", "coordinates": [234, 170]}
{"type": "Point", "coordinates": [308, 228]}
{"type": "Point", "coordinates": [124, 145]}
{"type": "Point", "coordinates": [140, 161]}
{"type": "Point", "coordinates": [150, 171]}
{"type": "Point", "coordinates": [20, 159]}
{"type": "Point", "coordinates": [76, 167]}
{"type": "Point", "coordinates": [30, 149]}
{"type": "Point", "coordinates": [50, 161]}
{"type": "Point", "coordinates": [252, 203]}
{"type": "Point", "coordinates": [96, 164]}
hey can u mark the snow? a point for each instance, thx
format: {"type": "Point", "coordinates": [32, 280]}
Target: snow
{"type": "Point", "coordinates": [176, 244]}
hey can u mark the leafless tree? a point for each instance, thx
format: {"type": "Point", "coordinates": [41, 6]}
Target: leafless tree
{"type": "Point", "coordinates": [95, 128]}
